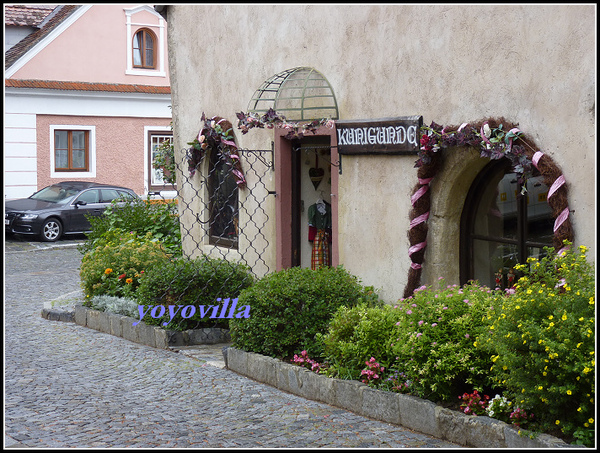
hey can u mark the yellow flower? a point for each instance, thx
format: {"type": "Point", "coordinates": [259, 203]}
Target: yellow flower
{"type": "Point", "coordinates": [557, 422]}
{"type": "Point", "coordinates": [564, 317]}
{"type": "Point", "coordinates": [591, 420]}
{"type": "Point", "coordinates": [569, 392]}
{"type": "Point", "coordinates": [550, 317]}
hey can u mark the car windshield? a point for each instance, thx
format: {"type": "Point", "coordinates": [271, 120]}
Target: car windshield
{"type": "Point", "coordinates": [56, 194]}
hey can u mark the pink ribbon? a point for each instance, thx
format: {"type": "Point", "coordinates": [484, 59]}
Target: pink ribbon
{"type": "Point", "coordinates": [536, 158]}
{"type": "Point", "coordinates": [416, 266]}
{"type": "Point", "coordinates": [556, 185]}
{"type": "Point", "coordinates": [559, 220]}
{"type": "Point", "coordinates": [418, 194]}
{"type": "Point", "coordinates": [417, 220]}
{"type": "Point", "coordinates": [514, 130]}
{"type": "Point", "coordinates": [462, 127]}
{"type": "Point", "coordinates": [415, 248]}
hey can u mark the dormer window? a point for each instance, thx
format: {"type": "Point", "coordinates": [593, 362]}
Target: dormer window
{"type": "Point", "coordinates": [144, 49]}
{"type": "Point", "coordinates": [146, 42]}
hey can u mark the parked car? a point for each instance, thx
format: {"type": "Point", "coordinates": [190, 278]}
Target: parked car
{"type": "Point", "coordinates": [61, 208]}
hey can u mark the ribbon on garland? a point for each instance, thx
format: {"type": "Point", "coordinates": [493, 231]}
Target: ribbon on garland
{"type": "Point", "coordinates": [414, 249]}
{"type": "Point", "coordinates": [418, 220]}
{"type": "Point", "coordinates": [562, 217]}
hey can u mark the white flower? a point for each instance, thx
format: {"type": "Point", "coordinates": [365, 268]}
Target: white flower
{"type": "Point", "coordinates": [486, 130]}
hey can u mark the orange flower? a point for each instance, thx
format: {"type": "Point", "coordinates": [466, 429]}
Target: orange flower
{"type": "Point", "coordinates": [108, 271]}
{"type": "Point", "coordinates": [129, 280]}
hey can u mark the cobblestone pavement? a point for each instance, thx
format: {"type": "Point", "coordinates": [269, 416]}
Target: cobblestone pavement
{"type": "Point", "coordinates": [69, 386]}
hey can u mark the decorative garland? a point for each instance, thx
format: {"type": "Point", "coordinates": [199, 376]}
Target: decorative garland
{"type": "Point", "coordinates": [493, 143]}
{"type": "Point", "coordinates": [272, 119]}
{"type": "Point", "coordinates": [217, 133]}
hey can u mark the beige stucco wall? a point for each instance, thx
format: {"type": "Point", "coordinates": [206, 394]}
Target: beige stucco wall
{"type": "Point", "coordinates": [533, 65]}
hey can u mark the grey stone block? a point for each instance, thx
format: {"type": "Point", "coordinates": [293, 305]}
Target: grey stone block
{"type": "Point", "coordinates": [348, 395]}
{"type": "Point", "coordinates": [130, 332]}
{"type": "Point", "coordinates": [80, 315]}
{"type": "Point", "coordinates": [66, 316]}
{"type": "Point", "coordinates": [161, 338]}
{"type": "Point", "coordinates": [282, 369]}
{"type": "Point", "coordinates": [484, 432]}
{"type": "Point", "coordinates": [175, 338]}
{"type": "Point", "coordinates": [146, 334]}
{"type": "Point", "coordinates": [104, 322]}
{"type": "Point", "coordinates": [262, 368]}
{"type": "Point", "coordinates": [418, 414]}
{"type": "Point", "coordinates": [237, 361]}
{"type": "Point", "coordinates": [381, 405]}
{"type": "Point", "coordinates": [115, 324]}
{"type": "Point", "coordinates": [452, 426]}
{"type": "Point", "coordinates": [515, 438]}
{"type": "Point", "coordinates": [93, 319]}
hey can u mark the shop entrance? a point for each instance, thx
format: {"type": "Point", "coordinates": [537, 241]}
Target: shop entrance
{"type": "Point", "coordinates": [306, 180]}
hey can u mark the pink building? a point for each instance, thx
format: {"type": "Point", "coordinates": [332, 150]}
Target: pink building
{"type": "Point", "coordinates": [87, 96]}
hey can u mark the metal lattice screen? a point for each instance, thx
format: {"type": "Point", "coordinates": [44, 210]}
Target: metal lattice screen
{"type": "Point", "coordinates": [222, 226]}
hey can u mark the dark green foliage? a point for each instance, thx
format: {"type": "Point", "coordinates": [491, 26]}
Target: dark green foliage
{"type": "Point", "coordinates": [192, 282]}
{"type": "Point", "coordinates": [288, 308]}
{"type": "Point", "coordinates": [160, 219]}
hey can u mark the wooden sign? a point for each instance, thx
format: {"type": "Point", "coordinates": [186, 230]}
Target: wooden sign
{"type": "Point", "coordinates": [381, 136]}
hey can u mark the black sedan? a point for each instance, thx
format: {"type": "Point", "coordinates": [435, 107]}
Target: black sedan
{"type": "Point", "coordinates": [61, 208]}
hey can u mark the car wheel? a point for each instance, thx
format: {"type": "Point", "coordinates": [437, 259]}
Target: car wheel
{"type": "Point", "coordinates": [51, 230]}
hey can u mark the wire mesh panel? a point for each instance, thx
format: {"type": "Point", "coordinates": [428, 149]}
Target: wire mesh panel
{"type": "Point", "coordinates": [225, 229]}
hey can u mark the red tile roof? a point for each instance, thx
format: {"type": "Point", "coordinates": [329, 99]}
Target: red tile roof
{"type": "Point", "coordinates": [86, 86]}
{"type": "Point", "coordinates": [26, 15]}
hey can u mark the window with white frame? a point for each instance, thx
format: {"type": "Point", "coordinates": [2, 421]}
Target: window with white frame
{"type": "Point", "coordinates": [146, 42]}
{"type": "Point", "coordinates": [72, 151]}
{"type": "Point", "coordinates": [161, 156]}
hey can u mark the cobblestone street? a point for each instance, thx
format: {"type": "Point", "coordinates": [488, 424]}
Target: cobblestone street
{"type": "Point", "coordinates": [69, 386]}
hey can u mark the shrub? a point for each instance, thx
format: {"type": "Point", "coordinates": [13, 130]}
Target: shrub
{"type": "Point", "coordinates": [192, 282]}
{"type": "Point", "coordinates": [435, 340]}
{"type": "Point", "coordinates": [125, 306]}
{"type": "Point", "coordinates": [542, 340]}
{"type": "Point", "coordinates": [115, 266]}
{"type": "Point", "coordinates": [289, 307]}
{"type": "Point", "coordinates": [354, 335]}
{"type": "Point", "coordinates": [160, 220]}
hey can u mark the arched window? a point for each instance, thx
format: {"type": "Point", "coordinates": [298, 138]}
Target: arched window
{"type": "Point", "coordinates": [502, 225]}
{"type": "Point", "coordinates": [144, 49]}
{"type": "Point", "coordinates": [223, 205]}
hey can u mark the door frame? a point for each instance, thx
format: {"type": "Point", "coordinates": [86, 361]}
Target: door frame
{"type": "Point", "coordinates": [284, 179]}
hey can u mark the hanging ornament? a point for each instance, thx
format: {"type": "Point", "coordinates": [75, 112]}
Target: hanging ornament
{"type": "Point", "coordinates": [316, 174]}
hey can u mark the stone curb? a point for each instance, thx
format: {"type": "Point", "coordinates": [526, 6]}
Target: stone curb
{"type": "Point", "coordinates": [122, 326]}
{"type": "Point", "coordinates": [409, 411]}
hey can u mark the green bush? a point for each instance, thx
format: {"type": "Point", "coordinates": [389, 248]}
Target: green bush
{"type": "Point", "coordinates": [288, 308]}
{"type": "Point", "coordinates": [355, 334]}
{"type": "Point", "coordinates": [158, 219]}
{"type": "Point", "coordinates": [192, 282]}
{"type": "Point", "coordinates": [116, 264]}
{"type": "Point", "coordinates": [542, 340]}
{"type": "Point", "coordinates": [435, 343]}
